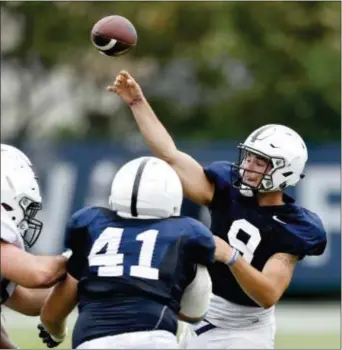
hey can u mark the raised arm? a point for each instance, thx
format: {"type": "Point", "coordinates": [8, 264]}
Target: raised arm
{"type": "Point", "coordinates": [196, 186]}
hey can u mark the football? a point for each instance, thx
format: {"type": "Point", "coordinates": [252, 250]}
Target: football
{"type": "Point", "coordinates": [114, 35]}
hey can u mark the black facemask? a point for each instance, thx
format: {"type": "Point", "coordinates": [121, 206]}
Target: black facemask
{"type": "Point", "coordinates": [34, 226]}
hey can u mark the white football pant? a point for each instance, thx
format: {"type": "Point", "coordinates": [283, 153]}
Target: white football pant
{"type": "Point", "coordinates": [255, 336]}
{"type": "Point", "coordinates": [134, 340]}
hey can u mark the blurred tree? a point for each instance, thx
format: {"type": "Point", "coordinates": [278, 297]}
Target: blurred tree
{"type": "Point", "coordinates": [220, 68]}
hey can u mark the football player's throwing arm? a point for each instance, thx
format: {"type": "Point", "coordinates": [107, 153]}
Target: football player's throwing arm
{"type": "Point", "coordinates": [196, 186]}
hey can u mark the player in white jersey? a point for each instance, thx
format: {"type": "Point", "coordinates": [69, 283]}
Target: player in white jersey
{"type": "Point", "coordinates": [20, 270]}
{"type": "Point", "coordinates": [262, 233]}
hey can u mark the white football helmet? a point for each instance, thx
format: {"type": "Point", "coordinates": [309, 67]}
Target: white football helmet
{"type": "Point", "coordinates": [146, 188]}
{"type": "Point", "coordinates": [283, 148]}
{"type": "Point", "coordinates": [20, 197]}
{"type": "Point", "coordinates": [16, 157]}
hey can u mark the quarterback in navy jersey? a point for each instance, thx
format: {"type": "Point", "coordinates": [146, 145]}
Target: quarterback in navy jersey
{"type": "Point", "coordinates": [260, 232]}
{"type": "Point", "coordinates": [257, 232]}
{"type": "Point", "coordinates": [136, 268]}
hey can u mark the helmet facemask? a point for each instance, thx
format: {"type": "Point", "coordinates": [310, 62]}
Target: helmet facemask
{"type": "Point", "coordinates": [265, 183]}
{"type": "Point", "coordinates": [30, 228]}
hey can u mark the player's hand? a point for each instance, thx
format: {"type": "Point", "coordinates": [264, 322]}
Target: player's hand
{"type": "Point", "coordinates": [127, 88]}
{"type": "Point", "coordinates": [223, 252]}
{"type": "Point", "coordinates": [47, 338]}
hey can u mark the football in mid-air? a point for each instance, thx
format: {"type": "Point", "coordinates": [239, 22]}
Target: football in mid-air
{"type": "Point", "coordinates": [114, 35]}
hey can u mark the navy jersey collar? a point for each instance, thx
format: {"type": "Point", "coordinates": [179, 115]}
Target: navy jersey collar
{"type": "Point", "coordinates": [288, 199]}
{"type": "Point", "coordinates": [289, 205]}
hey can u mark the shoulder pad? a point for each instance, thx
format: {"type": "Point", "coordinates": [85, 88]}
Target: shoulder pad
{"type": "Point", "coordinates": [84, 216]}
{"type": "Point", "coordinates": [200, 242]}
{"type": "Point", "coordinates": [308, 227]}
{"type": "Point", "coordinates": [77, 226]}
{"type": "Point", "coordinates": [219, 173]}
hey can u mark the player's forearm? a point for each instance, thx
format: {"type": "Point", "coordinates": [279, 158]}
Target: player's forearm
{"type": "Point", "coordinates": [254, 283]}
{"type": "Point", "coordinates": [56, 328]}
{"type": "Point", "coordinates": [35, 272]}
{"type": "Point", "coordinates": [58, 306]}
{"type": "Point", "coordinates": [27, 301]}
{"type": "Point", "coordinates": [51, 270]}
{"type": "Point", "coordinates": [259, 287]}
{"type": "Point", "coordinates": [156, 136]}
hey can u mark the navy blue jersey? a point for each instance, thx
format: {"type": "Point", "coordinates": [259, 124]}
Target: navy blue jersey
{"type": "Point", "coordinates": [257, 232]}
{"type": "Point", "coordinates": [132, 273]}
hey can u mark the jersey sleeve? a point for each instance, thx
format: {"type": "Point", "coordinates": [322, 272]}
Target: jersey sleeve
{"type": "Point", "coordinates": [306, 236]}
{"type": "Point", "coordinates": [220, 174]}
{"type": "Point", "coordinates": [77, 240]}
{"type": "Point", "coordinates": [200, 245]}
{"type": "Point", "coordinates": [313, 235]}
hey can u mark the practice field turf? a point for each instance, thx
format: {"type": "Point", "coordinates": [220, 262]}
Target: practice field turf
{"type": "Point", "coordinates": [299, 326]}
{"type": "Point", "coordinates": [28, 339]}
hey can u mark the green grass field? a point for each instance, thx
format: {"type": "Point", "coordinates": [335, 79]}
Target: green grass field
{"type": "Point", "coordinates": [299, 326]}
{"type": "Point", "coordinates": [28, 339]}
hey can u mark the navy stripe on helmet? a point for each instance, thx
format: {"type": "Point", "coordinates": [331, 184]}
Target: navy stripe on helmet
{"type": "Point", "coordinates": [136, 185]}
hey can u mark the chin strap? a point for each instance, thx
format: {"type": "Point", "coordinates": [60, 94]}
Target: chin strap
{"type": "Point", "coordinates": [246, 191]}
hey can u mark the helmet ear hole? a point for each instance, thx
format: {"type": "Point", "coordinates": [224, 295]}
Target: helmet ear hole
{"type": "Point", "coordinates": [282, 186]}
